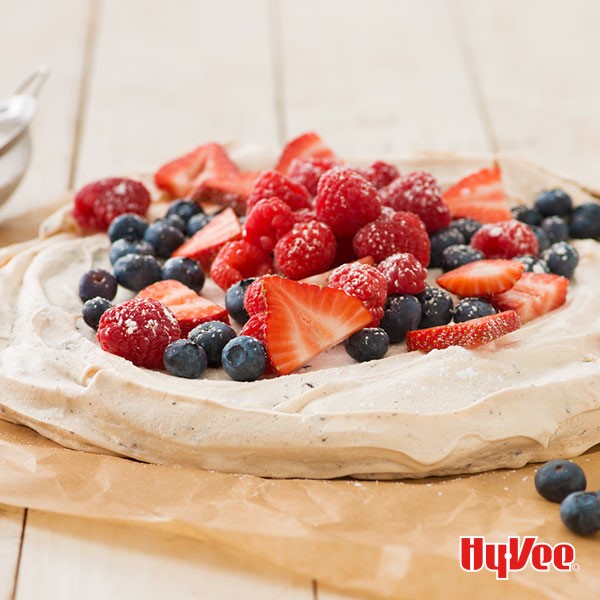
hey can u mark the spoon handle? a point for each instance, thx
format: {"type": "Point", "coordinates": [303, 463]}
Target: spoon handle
{"type": "Point", "coordinates": [32, 84]}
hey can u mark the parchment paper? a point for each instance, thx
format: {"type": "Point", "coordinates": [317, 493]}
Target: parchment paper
{"type": "Point", "coordinates": [374, 539]}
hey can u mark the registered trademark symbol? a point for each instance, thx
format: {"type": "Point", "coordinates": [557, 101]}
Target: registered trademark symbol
{"type": "Point", "coordinates": [575, 567]}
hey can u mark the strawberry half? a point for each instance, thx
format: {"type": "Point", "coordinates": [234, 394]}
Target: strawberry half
{"type": "Point", "coordinates": [304, 320]}
{"type": "Point", "coordinates": [468, 334]}
{"type": "Point", "coordinates": [479, 196]}
{"type": "Point", "coordinates": [227, 191]}
{"type": "Point", "coordinates": [323, 278]}
{"type": "Point", "coordinates": [307, 145]}
{"type": "Point", "coordinates": [180, 176]}
{"type": "Point", "coordinates": [533, 295]}
{"type": "Point", "coordinates": [204, 245]}
{"type": "Point", "coordinates": [482, 278]}
{"type": "Point", "coordinates": [189, 308]}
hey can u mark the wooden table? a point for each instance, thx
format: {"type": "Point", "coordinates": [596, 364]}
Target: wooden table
{"type": "Point", "coordinates": [135, 82]}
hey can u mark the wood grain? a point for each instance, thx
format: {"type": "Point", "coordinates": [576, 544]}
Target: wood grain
{"type": "Point", "coordinates": [170, 76]}
{"type": "Point", "coordinates": [52, 33]}
{"type": "Point", "coordinates": [538, 66]}
{"type": "Point", "coordinates": [11, 523]}
{"type": "Point", "coordinates": [377, 81]}
{"type": "Point", "coordinates": [70, 558]}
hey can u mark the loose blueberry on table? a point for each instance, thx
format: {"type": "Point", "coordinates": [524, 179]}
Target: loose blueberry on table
{"type": "Point", "coordinates": [315, 252]}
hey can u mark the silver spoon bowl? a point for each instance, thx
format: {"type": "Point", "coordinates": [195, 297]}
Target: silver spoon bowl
{"type": "Point", "coordinates": [16, 113]}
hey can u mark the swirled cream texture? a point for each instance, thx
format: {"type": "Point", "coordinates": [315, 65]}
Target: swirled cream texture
{"type": "Point", "coordinates": [531, 395]}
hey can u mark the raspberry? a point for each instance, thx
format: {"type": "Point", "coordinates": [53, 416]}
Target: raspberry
{"type": "Point", "coordinates": [380, 173]}
{"type": "Point", "coordinates": [98, 203]}
{"type": "Point", "coordinates": [505, 239]}
{"type": "Point", "coordinates": [138, 330]}
{"type": "Point", "coordinates": [308, 171]}
{"type": "Point", "coordinates": [309, 248]}
{"type": "Point", "coordinates": [239, 260]}
{"type": "Point", "coordinates": [400, 232]}
{"type": "Point", "coordinates": [365, 283]}
{"type": "Point", "coordinates": [420, 193]}
{"type": "Point", "coordinates": [404, 274]}
{"type": "Point", "coordinates": [269, 220]}
{"type": "Point", "coordinates": [256, 327]}
{"type": "Point", "coordinates": [346, 201]}
{"type": "Point", "coordinates": [272, 184]}
{"type": "Point", "coordinates": [254, 300]}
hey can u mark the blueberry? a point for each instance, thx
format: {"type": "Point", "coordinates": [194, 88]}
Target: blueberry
{"type": "Point", "coordinates": [128, 226]}
{"type": "Point", "coordinates": [97, 282]}
{"type": "Point", "coordinates": [402, 313]}
{"type": "Point", "coordinates": [183, 358]}
{"type": "Point", "coordinates": [187, 271]}
{"type": "Point", "coordinates": [553, 202]}
{"type": "Point", "coordinates": [93, 310]}
{"type": "Point", "coordinates": [370, 343]}
{"type": "Point", "coordinates": [542, 238]}
{"type": "Point", "coordinates": [556, 479]}
{"type": "Point", "coordinates": [185, 209]}
{"type": "Point", "coordinates": [525, 214]}
{"type": "Point", "coordinates": [212, 337]}
{"type": "Point", "coordinates": [472, 308]}
{"type": "Point", "coordinates": [137, 271]}
{"type": "Point", "coordinates": [468, 227]}
{"type": "Point", "coordinates": [244, 358]}
{"type": "Point", "coordinates": [196, 223]}
{"type": "Point", "coordinates": [174, 221]}
{"type": "Point", "coordinates": [585, 221]}
{"type": "Point", "coordinates": [562, 259]}
{"type": "Point", "coordinates": [437, 307]}
{"type": "Point", "coordinates": [580, 512]}
{"type": "Point", "coordinates": [556, 229]}
{"type": "Point", "coordinates": [234, 300]}
{"type": "Point", "coordinates": [441, 239]}
{"type": "Point", "coordinates": [533, 264]}
{"type": "Point", "coordinates": [165, 238]}
{"type": "Point", "coordinates": [459, 254]}
{"type": "Point", "coordinates": [123, 246]}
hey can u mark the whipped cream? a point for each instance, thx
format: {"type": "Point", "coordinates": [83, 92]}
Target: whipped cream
{"type": "Point", "coordinates": [531, 395]}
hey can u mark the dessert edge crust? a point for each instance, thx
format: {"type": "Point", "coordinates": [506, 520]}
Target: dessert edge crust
{"type": "Point", "coordinates": [530, 396]}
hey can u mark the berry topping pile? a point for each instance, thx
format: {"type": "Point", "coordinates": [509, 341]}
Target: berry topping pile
{"type": "Point", "coordinates": [315, 252]}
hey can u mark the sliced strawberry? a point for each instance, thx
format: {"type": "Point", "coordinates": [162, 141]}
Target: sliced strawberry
{"type": "Point", "coordinates": [479, 196]}
{"type": "Point", "coordinates": [468, 334]}
{"type": "Point", "coordinates": [189, 308]}
{"type": "Point", "coordinates": [323, 278]}
{"type": "Point", "coordinates": [304, 320]}
{"type": "Point", "coordinates": [227, 191]}
{"type": "Point", "coordinates": [533, 295]}
{"type": "Point", "coordinates": [307, 145]}
{"type": "Point", "coordinates": [482, 277]}
{"type": "Point", "coordinates": [180, 176]}
{"type": "Point", "coordinates": [204, 245]}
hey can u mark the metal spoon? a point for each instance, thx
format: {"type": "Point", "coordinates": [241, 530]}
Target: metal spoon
{"type": "Point", "coordinates": [16, 113]}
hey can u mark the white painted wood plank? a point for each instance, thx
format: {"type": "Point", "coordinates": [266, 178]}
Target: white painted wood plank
{"type": "Point", "coordinates": [169, 76]}
{"type": "Point", "coordinates": [11, 521]}
{"type": "Point", "coordinates": [538, 64]}
{"type": "Point", "coordinates": [378, 77]}
{"type": "Point", "coordinates": [52, 33]}
{"type": "Point", "coordinates": [71, 558]}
